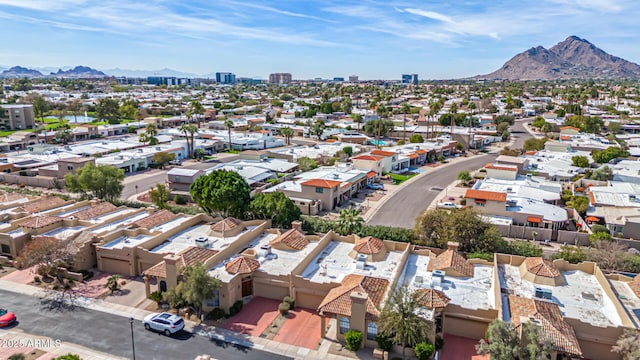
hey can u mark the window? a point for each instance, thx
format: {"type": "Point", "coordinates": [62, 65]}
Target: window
{"type": "Point", "coordinates": [69, 167]}
{"type": "Point", "coordinates": [215, 302]}
{"type": "Point", "coordinates": [344, 324]}
{"type": "Point", "coordinates": [319, 190]}
{"type": "Point", "coordinates": [372, 331]}
{"type": "Point", "coordinates": [6, 249]}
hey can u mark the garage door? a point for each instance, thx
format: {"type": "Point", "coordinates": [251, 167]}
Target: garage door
{"type": "Point", "coordinates": [465, 327]}
{"type": "Point", "coordinates": [309, 301]}
{"type": "Point", "coordinates": [114, 266]}
{"type": "Point", "coordinates": [270, 291]}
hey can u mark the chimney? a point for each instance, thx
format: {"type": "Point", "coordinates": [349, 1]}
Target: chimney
{"type": "Point", "coordinates": [296, 225]}
{"type": "Point", "coordinates": [359, 311]}
{"type": "Point", "coordinates": [171, 269]}
{"type": "Point", "coordinates": [452, 245]}
{"type": "Point", "coordinates": [93, 202]}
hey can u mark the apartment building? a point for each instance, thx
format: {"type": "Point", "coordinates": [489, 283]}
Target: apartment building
{"type": "Point", "coordinates": [280, 78]}
{"type": "Point", "coordinates": [16, 116]}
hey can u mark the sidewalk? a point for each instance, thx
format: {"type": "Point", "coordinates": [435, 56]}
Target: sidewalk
{"type": "Point", "coordinates": [215, 333]}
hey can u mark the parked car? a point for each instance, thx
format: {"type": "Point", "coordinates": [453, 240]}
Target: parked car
{"type": "Point", "coordinates": [7, 318]}
{"type": "Point", "coordinates": [163, 322]}
{"type": "Point", "coordinates": [449, 205]}
{"type": "Point", "coordinates": [376, 186]}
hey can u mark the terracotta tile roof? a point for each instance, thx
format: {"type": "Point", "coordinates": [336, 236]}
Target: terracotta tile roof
{"type": "Point", "coordinates": [420, 151]}
{"type": "Point", "coordinates": [371, 174]}
{"type": "Point", "coordinates": [226, 225]}
{"type": "Point", "coordinates": [368, 245]}
{"type": "Point", "coordinates": [322, 183]}
{"type": "Point", "coordinates": [188, 257]}
{"type": "Point", "coordinates": [541, 267]}
{"type": "Point", "coordinates": [569, 128]}
{"type": "Point", "coordinates": [153, 220]}
{"type": "Point", "coordinates": [549, 317]}
{"type": "Point", "coordinates": [635, 285]}
{"type": "Point", "coordinates": [368, 157]}
{"type": "Point", "coordinates": [431, 298]}
{"type": "Point", "coordinates": [485, 195]}
{"type": "Point", "coordinates": [93, 211]}
{"type": "Point", "coordinates": [413, 156]}
{"type": "Point", "coordinates": [38, 222]}
{"type": "Point", "coordinates": [338, 300]}
{"type": "Point", "coordinates": [242, 265]}
{"type": "Point", "coordinates": [293, 238]}
{"type": "Point", "coordinates": [453, 260]}
{"type": "Point", "coordinates": [44, 204]}
{"type": "Point", "coordinates": [382, 153]}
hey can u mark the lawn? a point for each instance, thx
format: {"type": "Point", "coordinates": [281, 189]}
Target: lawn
{"type": "Point", "coordinates": [399, 179]}
{"type": "Point", "coordinates": [232, 151]}
{"type": "Point", "coordinates": [10, 132]}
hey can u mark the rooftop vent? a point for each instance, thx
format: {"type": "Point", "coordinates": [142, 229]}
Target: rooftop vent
{"type": "Point", "coordinates": [544, 294]}
{"type": "Point", "coordinates": [438, 274]}
{"type": "Point", "coordinates": [202, 241]}
{"type": "Point", "coordinates": [264, 250]}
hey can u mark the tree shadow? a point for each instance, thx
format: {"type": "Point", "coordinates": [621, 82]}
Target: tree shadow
{"type": "Point", "coordinates": [60, 301]}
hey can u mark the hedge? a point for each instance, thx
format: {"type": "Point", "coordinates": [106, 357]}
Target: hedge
{"type": "Point", "coordinates": [320, 225]}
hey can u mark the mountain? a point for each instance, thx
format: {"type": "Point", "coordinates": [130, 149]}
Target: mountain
{"type": "Point", "coordinates": [83, 72]}
{"type": "Point", "coordinates": [20, 72]}
{"type": "Point", "coordinates": [145, 73]}
{"type": "Point", "coordinates": [573, 58]}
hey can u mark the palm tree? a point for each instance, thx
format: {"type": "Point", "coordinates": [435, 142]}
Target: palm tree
{"type": "Point", "coordinates": [400, 322]}
{"type": "Point", "coordinates": [453, 110]}
{"type": "Point", "coordinates": [288, 134]}
{"type": "Point", "coordinates": [357, 118]}
{"type": "Point", "coordinates": [149, 135]}
{"type": "Point", "coordinates": [349, 221]}
{"type": "Point", "coordinates": [228, 123]}
{"type": "Point", "coordinates": [189, 131]}
{"type": "Point", "coordinates": [196, 109]}
{"type": "Point", "coordinates": [405, 110]}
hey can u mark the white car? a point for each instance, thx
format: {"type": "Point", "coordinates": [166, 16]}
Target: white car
{"type": "Point", "coordinates": [163, 322]}
{"type": "Point", "coordinates": [449, 205]}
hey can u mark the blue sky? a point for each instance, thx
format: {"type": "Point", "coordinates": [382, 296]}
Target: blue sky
{"type": "Point", "coordinates": [372, 39]}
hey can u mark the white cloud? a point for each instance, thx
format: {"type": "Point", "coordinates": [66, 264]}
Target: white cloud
{"type": "Point", "coordinates": [597, 5]}
{"type": "Point", "coordinates": [42, 5]}
{"type": "Point", "coordinates": [430, 14]}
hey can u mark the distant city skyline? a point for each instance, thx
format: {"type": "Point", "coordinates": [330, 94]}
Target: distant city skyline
{"type": "Point", "coordinates": [309, 39]}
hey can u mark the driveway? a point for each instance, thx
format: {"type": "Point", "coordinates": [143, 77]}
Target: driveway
{"type": "Point", "coordinates": [302, 328]}
{"type": "Point", "coordinates": [255, 317]}
{"type": "Point", "coordinates": [131, 294]}
{"type": "Point", "coordinates": [460, 348]}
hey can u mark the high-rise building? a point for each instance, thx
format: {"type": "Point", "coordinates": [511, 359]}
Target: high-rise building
{"type": "Point", "coordinates": [16, 116]}
{"type": "Point", "coordinates": [338, 79]}
{"type": "Point", "coordinates": [225, 78]}
{"type": "Point", "coordinates": [353, 78]}
{"type": "Point", "coordinates": [280, 78]}
{"type": "Point", "coordinates": [410, 79]}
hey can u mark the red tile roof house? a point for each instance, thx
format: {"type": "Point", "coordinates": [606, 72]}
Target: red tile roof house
{"type": "Point", "coordinates": [369, 162]}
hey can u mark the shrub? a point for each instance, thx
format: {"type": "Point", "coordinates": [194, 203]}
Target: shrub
{"type": "Point", "coordinates": [424, 350]}
{"type": "Point", "coordinates": [291, 301]}
{"type": "Point", "coordinates": [232, 311]}
{"type": "Point", "coordinates": [36, 279]}
{"type": "Point", "coordinates": [156, 296]}
{"type": "Point", "coordinates": [596, 228]}
{"type": "Point", "coordinates": [215, 314]}
{"type": "Point", "coordinates": [439, 343]}
{"type": "Point", "coordinates": [238, 305]}
{"type": "Point", "coordinates": [480, 255]}
{"type": "Point", "coordinates": [179, 200]}
{"type": "Point", "coordinates": [525, 248]}
{"type": "Point", "coordinates": [284, 308]}
{"type": "Point", "coordinates": [17, 356]}
{"type": "Point", "coordinates": [68, 357]}
{"type": "Point", "coordinates": [384, 342]}
{"type": "Point", "coordinates": [354, 339]}
{"type": "Point", "coordinates": [86, 274]}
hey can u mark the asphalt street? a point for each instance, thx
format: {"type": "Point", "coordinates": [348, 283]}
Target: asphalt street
{"type": "Point", "coordinates": [112, 333]}
{"type": "Point", "coordinates": [408, 202]}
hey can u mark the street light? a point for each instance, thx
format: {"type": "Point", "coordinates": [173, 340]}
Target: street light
{"type": "Point", "coordinates": [133, 344]}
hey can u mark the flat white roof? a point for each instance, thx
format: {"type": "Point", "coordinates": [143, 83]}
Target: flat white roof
{"type": "Point", "coordinates": [280, 262]}
{"type": "Point", "coordinates": [337, 262]}
{"type": "Point", "coordinates": [126, 241]}
{"type": "Point", "coordinates": [468, 292]}
{"type": "Point", "coordinates": [581, 297]}
{"type": "Point", "coordinates": [548, 212]}
{"type": "Point", "coordinates": [628, 298]}
{"type": "Point", "coordinates": [122, 222]}
{"type": "Point", "coordinates": [186, 238]}
{"type": "Point", "coordinates": [64, 232]}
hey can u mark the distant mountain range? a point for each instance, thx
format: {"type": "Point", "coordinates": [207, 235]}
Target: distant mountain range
{"type": "Point", "coordinates": [573, 58]}
{"type": "Point", "coordinates": [87, 72]}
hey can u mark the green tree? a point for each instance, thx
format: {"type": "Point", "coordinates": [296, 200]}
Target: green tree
{"type": "Point", "coordinates": [503, 342]}
{"type": "Point", "coordinates": [113, 283]}
{"type": "Point", "coordinates": [579, 204]}
{"type": "Point", "coordinates": [160, 196]}
{"type": "Point", "coordinates": [102, 181]}
{"type": "Point", "coordinates": [317, 129]}
{"type": "Point", "coordinates": [349, 221]}
{"type": "Point", "coordinates": [276, 207]}
{"type": "Point", "coordinates": [108, 110]}
{"type": "Point", "coordinates": [162, 158]}
{"type": "Point", "coordinates": [348, 150]}
{"type": "Point", "coordinates": [614, 127]}
{"type": "Point", "coordinates": [534, 144]}
{"type": "Point", "coordinates": [464, 176]}
{"type": "Point", "coordinates": [572, 254]}
{"type": "Point", "coordinates": [509, 119]}
{"type": "Point", "coordinates": [424, 350]}
{"type": "Point", "coordinates": [306, 164]}
{"type": "Point", "coordinates": [502, 127]}
{"type": "Point", "coordinates": [196, 287]}
{"type": "Point", "coordinates": [610, 153]}
{"type": "Point", "coordinates": [288, 134]}
{"type": "Point", "coordinates": [628, 345]}
{"type": "Point", "coordinates": [524, 248]}
{"type": "Point", "coordinates": [580, 161]}
{"type": "Point", "coordinates": [377, 128]}
{"type": "Point", "coordinates": [416, 138]}
{"type": "Point", "coordinates": [64, 136]}
{"type": "Point", "coordinates": [189, 131]}
{"type": "Point", "coordinates": [228, 123]}
{"type": "Point", "coordinates": [40, 107]}
{"type": "Point", "coordinates": [149, 135]}
{"type": "Point", "coordinates": [195, 110]}
{"type": "Point", "coordinates": [399, 319]}
{"type": "Point", "coordinates": [222, 193]}
{"type": "Point", "coordinates": [604, 173]}
{"type": "Point", "coordinates": [357, 118]}
{"type": "Point", "coordinates": [129, 110]}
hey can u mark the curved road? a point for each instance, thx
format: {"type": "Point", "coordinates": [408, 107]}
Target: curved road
{"type": "Point", "coordinates": [408, 202]}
